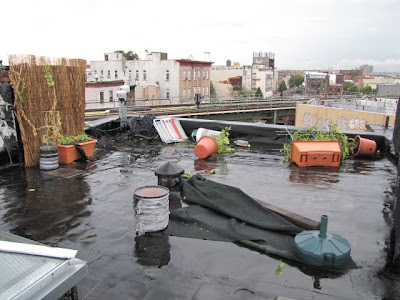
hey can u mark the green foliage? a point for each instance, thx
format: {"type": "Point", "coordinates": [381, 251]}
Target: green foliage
{"type": "Point", "coordinates": [187, 175]}
{"type": "Point", "coordinates": [223, 141]}
{"type": "Point", "coordinates": [315, 133]}
{"type": "Point", "coordinates": [128, 53]}
{"type": "Point", "coordinates": [20, 98]}
{"type": "Point", "coordinates": [72, 139]}
{"type": "Point", "coordinates": [353, 73]}
{"type": "Point", "coordinates": [296, 80]}
{"type": "Point", "coordinates": [259, 93]}
{"type": "Point", "coordinates": [213, 93]}
{"type": "Point", "coordinates": [282, 87]}
{"type": "Point", "coordinates": [366, 90]}
{"type": "Point", "coordinates": [241, 91]}
{"type": "Point", "coordinates": [350, 87]}
{"type": "Point", "coordinates": [48, 76]}
{"type": "Point", "coordinates": [279, 269]}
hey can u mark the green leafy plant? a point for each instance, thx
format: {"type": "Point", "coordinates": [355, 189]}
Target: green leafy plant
{"type": "Point", "coordinates": [223, 141]}
{"type": "Point", "coordinates": [187, 175]}
{"type": "Point", "coordinates": [72, 139]}
{"type": "Point", "coordinates": [279, 269]}
{"type": "Point", "coordinates": [315, 133]}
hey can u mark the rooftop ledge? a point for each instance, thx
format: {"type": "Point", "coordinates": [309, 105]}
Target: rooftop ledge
{"type": "Point", "coordinates": [89, 207]}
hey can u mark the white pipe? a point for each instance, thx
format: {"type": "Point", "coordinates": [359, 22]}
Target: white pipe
{"type": "Point", "coordinates": [22, 248]}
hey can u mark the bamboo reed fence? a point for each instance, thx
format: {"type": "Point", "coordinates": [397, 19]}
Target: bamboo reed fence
{"type": "Point", "coordinates": [49, 100]}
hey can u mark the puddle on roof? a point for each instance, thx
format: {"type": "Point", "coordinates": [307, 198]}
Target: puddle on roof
{"type": "Point", "coordinates": [93, 213]}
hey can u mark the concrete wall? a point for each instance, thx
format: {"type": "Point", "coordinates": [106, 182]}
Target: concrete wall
{"type": "Point", "coordinates": [310, 115]}
{"type": "Point", "coordinates": [9, 149]}
{"type": "Point", "coordinates": [380, 105]}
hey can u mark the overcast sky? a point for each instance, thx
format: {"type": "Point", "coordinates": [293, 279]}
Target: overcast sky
{"type": "Point", "coordinates": [303, 34]}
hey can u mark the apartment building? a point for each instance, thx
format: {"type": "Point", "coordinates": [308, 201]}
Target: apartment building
{"type": "Point", "coordinates": [261, 74]}
{"type": "Point", "coordinates": [156, 78]}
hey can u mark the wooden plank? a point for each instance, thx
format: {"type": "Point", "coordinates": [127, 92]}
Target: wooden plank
{"type": "Point", "coordinates": [296, 219]}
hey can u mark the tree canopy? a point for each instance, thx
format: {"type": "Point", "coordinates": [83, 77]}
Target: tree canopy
{"type": "Point", "coordinates": [259, 93]}
{"type": "Point", "coordinates": [351, 87]}
{"type": "Point", "coordinates": [128, 54]}
{"type": "Point", "coordinates": [241, 91]}
{"type": "Point", "coordinates": [296, 81]}
{"type": "Point", "coordinates": [282, 87]}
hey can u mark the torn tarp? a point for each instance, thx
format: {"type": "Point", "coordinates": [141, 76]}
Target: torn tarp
{"type": "Point", "coordinates": [226, 213]}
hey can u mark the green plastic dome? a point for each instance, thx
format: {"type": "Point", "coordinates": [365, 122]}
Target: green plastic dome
{"type": "Point", "coordinates": [320, 248]}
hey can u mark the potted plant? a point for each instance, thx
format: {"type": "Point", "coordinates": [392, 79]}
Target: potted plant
{"type": "Point", "coordinates": [71, 148]}
{"type": "Point", "coordinates": [314, 146]}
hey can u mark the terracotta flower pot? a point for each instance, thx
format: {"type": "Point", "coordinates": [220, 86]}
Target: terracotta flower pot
{"type": "Point", "coordinates": [363, 146]}
{"type": "Point", "coordinates": [68, 153]}
{"type": "Point", "coordinates": [205, 147]}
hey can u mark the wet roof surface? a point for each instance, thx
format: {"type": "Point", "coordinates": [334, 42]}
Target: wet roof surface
{"type": "Point", "coordinates": [89, 207]}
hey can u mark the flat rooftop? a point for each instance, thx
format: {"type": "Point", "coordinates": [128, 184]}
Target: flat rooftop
{"type": "Point", "coordinates": [89, 207]}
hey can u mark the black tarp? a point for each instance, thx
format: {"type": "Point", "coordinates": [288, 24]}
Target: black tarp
{"type": "Point", "coordinates": [224, 213]}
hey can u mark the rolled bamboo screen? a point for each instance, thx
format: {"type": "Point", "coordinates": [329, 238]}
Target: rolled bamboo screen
{"type": "Point", "coordinates": [49, 100]}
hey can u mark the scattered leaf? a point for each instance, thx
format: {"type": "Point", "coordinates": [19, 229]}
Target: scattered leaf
{"type": "Point", "coordinates": [279, 269]}
{"type": "Point", "coordinates": [212, 171]}
{"type": "Point", "coordinates": [31, 190]}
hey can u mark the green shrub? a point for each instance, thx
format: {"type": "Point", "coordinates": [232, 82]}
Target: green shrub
{"type": "Point", "coordinates": [72, 139]}
{"type": "Point", "coordinates": [315, 133]}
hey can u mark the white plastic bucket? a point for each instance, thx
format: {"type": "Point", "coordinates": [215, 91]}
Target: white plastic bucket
{"type": "Point", "coordinates": [151, 206]}
{"type": "Point", "coordinates": [206, 132]}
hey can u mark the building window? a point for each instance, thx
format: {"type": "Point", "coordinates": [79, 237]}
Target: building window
{"type": "Point", "coordinates": [194, 75]}
{"type": "Point", "coordinates": [204, 74]}
{"type": "Point", "coordinates": [101, 73]}
{"type": "Point", "coordinates": [137, 75]}
{"type": "Point", "coordinates": [111, 96]}
{"type": "Point", "coordinates": [106, 57]}
{"type": "Point", "coordinates": [167, 94]}
{"type": "Point", "coordinates": [198, 74]}
{"type": "Point", "coordinates": [101, 97]}
{"type": "Point", "coordinates": [189, 93]}
{"type": "Point", "coordinates": [184, 94]}
{"type": "Point", "coordinates": [189, 75]}
{"type": "Point", "coordinates": [116, 74]}
{"type": "Point", "coordinates": [167, 75]}
{"type": "Point", "coordinates": [130, 74]}
{"type": "Point", "coordinates": [206, 90]}
{"type": "Point", "coordinates": [184, 75]}
{"type": "Point", "coordinates": [108, 74]}
{"type": "Point", "coordinates": [144, 75]}
{"type": "Point", "coordinates": [203, 90]}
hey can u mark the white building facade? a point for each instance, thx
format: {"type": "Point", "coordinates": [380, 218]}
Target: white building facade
{"type": "Point", "coordinates": [260, 75]}
{"type": "Point", "coordinates": [170, 76]}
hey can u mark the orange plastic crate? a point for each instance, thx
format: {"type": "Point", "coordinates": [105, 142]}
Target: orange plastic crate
{"type": "Point", "coordinates": [309, 153]}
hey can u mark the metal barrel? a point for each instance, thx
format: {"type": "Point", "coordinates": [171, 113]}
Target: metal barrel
{"type": "Point", "coordinates": [151, 206]}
